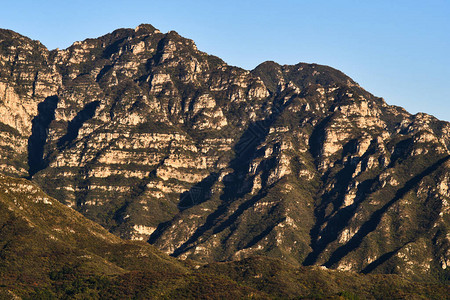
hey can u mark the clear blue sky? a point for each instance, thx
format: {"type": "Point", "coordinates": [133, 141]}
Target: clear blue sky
{"type": "Point", "coordinates": [398, 50]}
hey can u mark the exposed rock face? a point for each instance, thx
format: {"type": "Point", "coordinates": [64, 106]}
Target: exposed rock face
{"type": "Point", "coordinates": [155, 140]}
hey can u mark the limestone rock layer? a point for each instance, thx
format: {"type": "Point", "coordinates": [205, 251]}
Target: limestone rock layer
{"type": "Point", "coordinates": [158, 141]}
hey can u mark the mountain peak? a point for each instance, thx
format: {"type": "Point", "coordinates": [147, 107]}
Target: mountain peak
{"type": "Point", "coordinates": [157, 141]}
{"type": "Point", "coordinates": [146, 28]}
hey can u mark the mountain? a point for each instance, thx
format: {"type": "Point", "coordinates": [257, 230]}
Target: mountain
{"type": "Point", "coordinates": [45, 243]}
{"type": "Point", "coordinates": [50, 251]}
{"type": "Point", "coordinates": [157, 141]}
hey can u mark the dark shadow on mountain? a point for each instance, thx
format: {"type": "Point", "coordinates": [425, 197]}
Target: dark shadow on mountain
{"type": "Point", "coordinates": [234, 216]}
{"type": "Point", "coordinates": [39, 134]}
{"type": "Point", "coordinates": [246, 149]}
{"type": "Point", "coordinates": [379, 261]}
{"type": "Point", "coordinates": [317, 137]}
{"type": "Point", "coordinates": [401, 149]}
{"type": "Point", "coordinates": [339, 218]}
{"type": "Point", "coordinates": [157, 58]}
{"type": "Point", "coordinates": [103, 72]}
{"type": "Point", "coordinates": [113, 48]}
{"type": "Point", "coordinates": [425, 222]}
{"type": "Point", "coordinates": [235, 185]}
{"type": "Point", "coordinates": [264, 233]}
{"type": "Point", "coordinates": [214, 220]}
{"type": "Point", "coordinates": [158, 232]}
{"type": "Point", "coordinates": [375, 218]}
{"type": "Point", "coordinates": [75, 125]}
{"type": "Point", "coordinates": [135, 192]}
{"type": "Point", "coordinates": [199, 193]}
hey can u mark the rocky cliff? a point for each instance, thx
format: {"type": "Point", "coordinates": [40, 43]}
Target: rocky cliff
{"type": "Point", "coordinates": [158, 141]}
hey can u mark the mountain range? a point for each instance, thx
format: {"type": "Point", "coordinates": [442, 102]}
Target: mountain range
{"type": "Point", "coordinates": [278, 170]}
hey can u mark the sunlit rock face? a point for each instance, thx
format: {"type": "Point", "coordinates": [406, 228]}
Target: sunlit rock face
{"type": "Point", "coordinates": [156, 140]}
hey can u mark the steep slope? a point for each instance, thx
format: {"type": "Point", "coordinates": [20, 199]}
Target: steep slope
{"type": "Point", "coordinates": [335, 177]}
{"type": "Point", "coordinates": [41, 237]}
{"type": "Point", "coordinates": [155, 140]}
{"type": "Point", "coordinates": [49, 251]}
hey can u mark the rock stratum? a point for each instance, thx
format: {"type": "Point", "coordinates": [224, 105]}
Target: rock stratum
{"type": "Point", "coordinates": [157, 141]}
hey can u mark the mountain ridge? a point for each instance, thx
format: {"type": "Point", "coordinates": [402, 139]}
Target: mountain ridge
{"type": "Point", "coordinates": [157, 141]}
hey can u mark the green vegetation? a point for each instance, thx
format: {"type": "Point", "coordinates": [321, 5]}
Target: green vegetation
{"type": "Point", "coordinates": [49, 251]}
{"type": "Point", "coordinates": [319, 172]}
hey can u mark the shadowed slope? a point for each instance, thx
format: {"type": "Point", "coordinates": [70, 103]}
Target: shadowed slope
{"type": "Point", "coordinates": [375, 218]}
